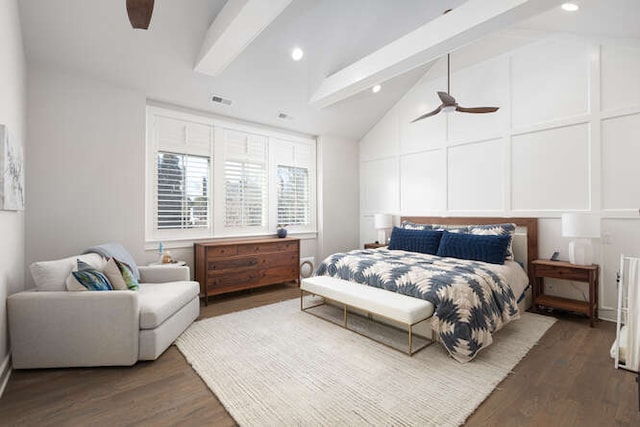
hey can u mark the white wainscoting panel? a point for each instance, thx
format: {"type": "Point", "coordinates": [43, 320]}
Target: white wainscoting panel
{"type": "Point", "coordinates": [550, 81]}
{"type": "Point", "coordinates": [621, 162]}
{"type": "Point", "coordinates": [423, 182]}
{"type": "Point", "coordinates": [620, 69]}
{"type": "Point", "coordinates": [380, 186]}
{"type": "Point", "coordinates": [382, 140]}
{"type": "Point", "coordinates": [427, 133]}
{"type": "Point", "coordinates": [550, 169]}
{"type": "Point", "coordinates": [492, 92]}
{"type": "Point", "coordinates": [475, 176]}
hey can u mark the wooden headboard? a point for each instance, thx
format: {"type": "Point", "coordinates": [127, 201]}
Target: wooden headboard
{"type": "Point", "coordinates": [531, 224]}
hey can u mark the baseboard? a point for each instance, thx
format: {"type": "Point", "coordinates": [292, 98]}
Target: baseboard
{"type": "Point", "coordinates": [5, 372]}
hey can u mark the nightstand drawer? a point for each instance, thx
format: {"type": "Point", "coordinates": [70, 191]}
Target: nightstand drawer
{"type": "Point", "coordinates": [561, 272]}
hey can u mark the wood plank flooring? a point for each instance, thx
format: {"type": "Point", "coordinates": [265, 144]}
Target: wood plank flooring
{"type": "Point", "coordinates": [566, 380]}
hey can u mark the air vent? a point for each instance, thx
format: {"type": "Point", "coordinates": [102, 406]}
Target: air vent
{"type": "Point", "coordinates": [284, 116]}
{"type": "Point", "coordinates": [220, 100]}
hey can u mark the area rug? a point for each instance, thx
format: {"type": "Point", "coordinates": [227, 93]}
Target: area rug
{"type": "Point", "coordinates": [275, 365]}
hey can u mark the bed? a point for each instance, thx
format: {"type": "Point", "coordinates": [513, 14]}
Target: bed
{"type": "Point", "coordinates": [472, 298]}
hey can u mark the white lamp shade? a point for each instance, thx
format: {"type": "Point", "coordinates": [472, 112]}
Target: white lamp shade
{"type": "Point", "coordinates": [382, 221]}
{"type": "Point", "coordinates": [581, 225]}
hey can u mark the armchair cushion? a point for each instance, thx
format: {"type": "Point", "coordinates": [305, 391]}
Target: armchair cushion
{"type": "Point", "coordinates": [128, 275]}
{"type": "Point", "coordinates": [52, 275]}
{"type": "Point", "coordinates": [112, 272]}
{"type": "Point", "coordinates": [159, 301]}
{"type": "Point", "coordinates": [89, 278]}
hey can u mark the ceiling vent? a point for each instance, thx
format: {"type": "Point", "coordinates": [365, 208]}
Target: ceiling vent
{"type": "Point", "coordinates": [284, 116]}
{"type": "Point", "coordinates": [220, 100]}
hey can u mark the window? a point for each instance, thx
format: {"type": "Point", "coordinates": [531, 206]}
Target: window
{"type": "Point", "coordinates": [211, 178]}
{"type": "Point", "coordinates": [245, 183]}
{"type": "Point", "coordinates": [293, 196]}
{"type": "Point", "coordinates": [293, 166]}
{"type": "Point", "coordinates": [244, 194]}
{"type": "Point", "coordinates": [183, 191]}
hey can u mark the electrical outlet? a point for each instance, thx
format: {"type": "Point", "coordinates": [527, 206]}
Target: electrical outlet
{"type": "Point", "coordinates": [607, 239]}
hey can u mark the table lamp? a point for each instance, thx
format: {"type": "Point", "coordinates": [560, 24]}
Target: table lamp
{"type": "Point", "coordinates": [382, 223]}
{"type": "Point", "coordinates": [582, 227]}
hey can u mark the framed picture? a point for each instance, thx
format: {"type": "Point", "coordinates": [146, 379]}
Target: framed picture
{"type": "Point", "coordinates": [11, 172]}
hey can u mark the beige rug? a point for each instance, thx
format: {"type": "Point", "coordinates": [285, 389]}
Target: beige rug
{"type": "Point", "coordinates": [277, 366]}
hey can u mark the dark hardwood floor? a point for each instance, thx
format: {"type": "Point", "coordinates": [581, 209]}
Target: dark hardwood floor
{"type": "Point", "coordinates": [566, 380]}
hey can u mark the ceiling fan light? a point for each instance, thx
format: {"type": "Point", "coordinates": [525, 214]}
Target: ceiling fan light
{"type": "Point", "coordinates": [449, 108]}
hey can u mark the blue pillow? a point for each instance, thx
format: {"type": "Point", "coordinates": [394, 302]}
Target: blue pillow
{"type": "Point", "coordinates": [507, 229]}
{"type": "Point", "coordinates": [486, 248]}
{"type": "Point", "coordinates": [91, 278]}
{"type": "Point", "coordinates": [423, 241]}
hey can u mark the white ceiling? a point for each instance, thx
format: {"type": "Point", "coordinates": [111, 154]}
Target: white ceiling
{"type": "Point", "coordinates": [94, 37]}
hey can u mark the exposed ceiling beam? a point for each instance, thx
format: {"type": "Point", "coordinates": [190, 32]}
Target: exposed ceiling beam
{"type": "Point", "coordinates": [463, 25]}
{"type": "Point", "coordinates": [235, 27]}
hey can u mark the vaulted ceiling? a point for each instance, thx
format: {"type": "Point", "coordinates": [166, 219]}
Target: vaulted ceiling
{"type": "Point", "coordinates": [94, 38]}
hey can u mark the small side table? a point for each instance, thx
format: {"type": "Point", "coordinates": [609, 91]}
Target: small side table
{"type": "Point", "coordinates": [168, 264]}
{"type": "Point", "coordinates": [565, 271]}
{"type": "Point", "coordinates": [374, 245]}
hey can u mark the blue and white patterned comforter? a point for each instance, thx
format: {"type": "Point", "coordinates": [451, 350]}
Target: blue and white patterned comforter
{"type": "Point", "coordinates": [471, 300]}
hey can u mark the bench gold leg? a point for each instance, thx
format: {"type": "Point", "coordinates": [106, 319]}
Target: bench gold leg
{"type": "Point", "coordinates": [345, 316]}
{"type": "Point", "coordinates": [410, 339]}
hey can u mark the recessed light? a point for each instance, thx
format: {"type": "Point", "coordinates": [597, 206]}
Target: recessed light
{"type": "Point", "coordinates": [297, 54]}
{"type": "Point", "coordinates": [570, 7]}
{"type": "Point", "coordinates": [376, 88]}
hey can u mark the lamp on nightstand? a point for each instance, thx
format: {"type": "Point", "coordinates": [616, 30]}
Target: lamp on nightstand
{"type": "Point", "coordinates": [582, 227]}
{"type": "Point", "coordinates": [382, 223]}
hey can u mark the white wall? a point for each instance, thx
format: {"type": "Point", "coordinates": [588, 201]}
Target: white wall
{"type": "Point", "coordinates": [566, 138]}
{"type": "Point", "coordinates": [86, 173]}
{"type": "Point", "coordinates": [338, 192]}
{"type": "Point", "coordinates": [12, 114]}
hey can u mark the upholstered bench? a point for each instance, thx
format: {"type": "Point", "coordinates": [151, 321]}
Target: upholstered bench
{"type": "Point", "coordinates": [400, 308]}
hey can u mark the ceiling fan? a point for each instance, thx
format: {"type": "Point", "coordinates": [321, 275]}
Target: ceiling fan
{"type": "Point", "coordinates": [449, 102]}
{"type": "Point", "coordinates": [139, 12]}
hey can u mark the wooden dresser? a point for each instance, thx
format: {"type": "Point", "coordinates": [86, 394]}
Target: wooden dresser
{"type": "Point", "coordinates": [234, 265]}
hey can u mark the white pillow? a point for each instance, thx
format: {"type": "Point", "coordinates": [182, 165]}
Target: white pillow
{"type": "Point", "coordinates": [114, 275]}
{"type": "Point", "coordinates": [52, 275]}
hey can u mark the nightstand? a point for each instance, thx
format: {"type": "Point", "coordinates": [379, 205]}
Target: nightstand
{"type": "Point", "coordinates": [566, 271]}
{"type": "Point", "coordinates": [374, 245]}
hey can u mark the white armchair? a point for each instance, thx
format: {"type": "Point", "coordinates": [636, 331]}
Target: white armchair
{"type": "Point", "coordinates": [59, 328]}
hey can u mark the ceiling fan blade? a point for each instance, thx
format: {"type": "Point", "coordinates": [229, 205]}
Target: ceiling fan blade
{"type": "Point", "coordinates": [446, 98]}
{"type": "Point", "coordinates": [432, 113]}
{"type": "Point", "coordinates": [139, 12]}
{"type": "Point", "coordinates": [477, 110]}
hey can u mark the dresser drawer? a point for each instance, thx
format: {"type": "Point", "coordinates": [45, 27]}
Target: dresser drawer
{"type": "Point", "coordinates": [224, 264]}
{"type": "Point", "coordinates": [261, 248]}
{"type": "Point", "coordinates": [279, 259]}
{"type": "Point", "coordinates": [232, 280]}
{"type": "Point", "coordinates": [278, 274]}
{"type": "Point", "coordinates": [218, 251]}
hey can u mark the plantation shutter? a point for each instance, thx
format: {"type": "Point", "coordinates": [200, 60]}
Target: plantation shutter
{"type": "Point", "coordinates": [245, 178]}
{"type": "Point", "coordinates": [182, 196]}
{"type": "Point", "coordinates": [293, 196]}
{"type": "Point", "coordinates": [182, 191]}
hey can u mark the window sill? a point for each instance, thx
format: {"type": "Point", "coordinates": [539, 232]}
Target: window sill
{"type": "Point", "coordinates": [150, 245]}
